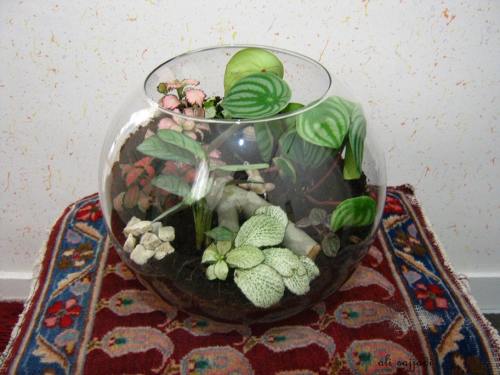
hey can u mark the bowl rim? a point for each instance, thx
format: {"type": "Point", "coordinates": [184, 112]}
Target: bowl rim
{"type": "Point", "coordinates": [241, 121]}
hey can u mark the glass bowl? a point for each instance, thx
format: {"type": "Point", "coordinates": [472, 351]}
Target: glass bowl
{"type": "Point", "coordinates": [201, 177]}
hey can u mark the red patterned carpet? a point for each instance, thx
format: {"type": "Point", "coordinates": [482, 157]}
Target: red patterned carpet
{"type": "Point", "coordinates": [9, 312]}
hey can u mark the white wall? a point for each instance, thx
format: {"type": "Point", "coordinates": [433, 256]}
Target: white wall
{"type": "Point", "coordinates": [427, 70]}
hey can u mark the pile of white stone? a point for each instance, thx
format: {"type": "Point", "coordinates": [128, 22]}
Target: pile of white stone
{"type": "Point", "coordinates": [146, 239]}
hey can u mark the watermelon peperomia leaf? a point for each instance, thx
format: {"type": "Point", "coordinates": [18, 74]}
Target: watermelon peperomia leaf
{"type": "Point", "coordinates": [249, 61]}
{"type": "Point", "coordinates": [355, 147]}
{"type": "Point", "coordinates": [256, 96]}
{"type": "Point", "coordinates": [327, 123]}
{"type": "Point", "coordinates": [265, 140]}
{"type": "Point", "coordinates": [304, 153]}
{"type": "Point", "coordinates": [354, 212]}
{"type": "Point", "coordinates": [286, 169]}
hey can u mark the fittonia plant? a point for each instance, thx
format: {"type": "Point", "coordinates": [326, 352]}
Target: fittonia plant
{"type": "Point", "coordinates": [262, 271]}
{"type": "Point", "coordinates": [181, 159]}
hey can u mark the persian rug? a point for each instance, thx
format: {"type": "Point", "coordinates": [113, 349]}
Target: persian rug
{"type": "Point", "coordinates": [403, 311]}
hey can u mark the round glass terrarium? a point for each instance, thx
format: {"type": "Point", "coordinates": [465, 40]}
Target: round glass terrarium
{"type": "Point", "coordinates": [240, 183]}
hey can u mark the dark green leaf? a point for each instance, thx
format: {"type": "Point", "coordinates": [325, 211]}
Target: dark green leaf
{"type": "Point", "coordinates": [221, 234]}
{"type": "Point", "coordinates": [354, 212]}
{"type": "Point", "coordinates": [286, 169]}
{"type": "Point", "coordinates": [304, 153]}
{"type": "Point", "coordinates": [265, 140]}
{"type": "Point", "coordinates": [182, 141]}
{"type": "Point", "coordinates": [256, 96]}
{"type": "Point", "coordinates": [172, 184]}
{"type": "Point", "coordinates": [327, 123]}
{"type": "Point", "coordinates": [155, 147]}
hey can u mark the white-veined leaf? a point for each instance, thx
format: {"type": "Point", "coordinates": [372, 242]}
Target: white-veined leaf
{"type": "Point", "coordinates": [282, 260]}
{"type": "Point", "coordinates": [260, 230]}
{"type": "Point", "coordinates": [262, 285]}
{"type": "Point", "coordinates": [244, 257]}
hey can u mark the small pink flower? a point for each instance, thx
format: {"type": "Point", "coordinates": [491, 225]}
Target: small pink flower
{"type": "Point", "coordinates": [194, 112]}
{"type": "Point", "coordinates": [175, 84]}
{"type": "Point", "coordinates": [169, 124]}
{"type": "Point", "coordinates": [190, 82]}
{"type": "Point", "coordinates": [170, 102]}
{"type": "Point", "coordinates": [215, 154]}
{"type": "Point", "coordinates": [195, 96]}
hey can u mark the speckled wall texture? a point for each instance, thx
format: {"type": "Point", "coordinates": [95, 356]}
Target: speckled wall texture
{"type": "Point", "coordinates": [428, 71]}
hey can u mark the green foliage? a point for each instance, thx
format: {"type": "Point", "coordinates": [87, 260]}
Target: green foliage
{"type": "Point", "coordinates": [239, 167]}
{"type": "Point", "coordinates": [155, 147]}
{"type": "Point", "coordinates": [357, 135]}
{"type": "Point", "coordinates": [282, 260]}
{"type": "Point", "coordinates": [256, 96]}
{"type": "Point", "coordinates": [293, 147]}
{"type": "Point", "coordinates": [262, 285]}
{"type": "Point", "coordinates": [260, 230]}
{"type": "Point", "coordinates": [291, 107]}
{"type": "Point", "coordinates": [354, 212]}
{"type": "Point", "coordinates": [312, 270]}
{"type": "Point", "coordinates": [182, 141]}
{"type": "Point", "coordinates": [221, 234]}
{"type": "Point", "coordinates": [275, 212]}
{"type": "Point", "coordinates": [172, 184]}
{"type": "Point", "coordinates": [330, 245]}
{"type": "Point", "coordinates": [244, 257]}
{"type": "Point", "coordinates": [327, 123]}
{"type": "Point", "coordinates": [286, 169]}
{"type": "Point", "coordinates": [264, 140]}
{"type": "Point", "coordinates": [351, 170]}
{"type": "Point", "coordinates": [249, 61]}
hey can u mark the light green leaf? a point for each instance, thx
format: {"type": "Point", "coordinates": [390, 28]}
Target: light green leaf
{"type": "Point", "coordinates": [297, 284]}
{"type": "Point", "coordinates": [262, 285]}
{"type": "Point", "coordinates": [357, 134]}
{"type": "Point", "coordinates": [312, 270]}
{"type": "Point", "coordinates": [327, 123]}
{"type": "Point", "coordinates": [223, 247]}
{"type": "Point", "coordinates": [286, 169]}
{"type": "Point", "coordinates": [240, 167]}
{"type": "Point", "coordinates": [256, 96]}
{"type": "Point", "coordinates": [172, 184]}
{"type": "Point", "coordinates": [210, 255]}
{"type": "Point", "coordinates": [155, 147]}
{"type": "Point", "coordinates": [260, 230]}
{"type": "Point", "coordinates": [245, 257]}
{"type": "Point", "coordinates": [221, 234]}
{"type": "Point", "coordinates": [354, 212]}
{"type": "Point", "coordinates": [275, 212]}
{"type": "Point", "coordinates": [265, 141]}
{"type": "Point", "coordinates": [285, 262]}
{"type": "Point", "coordinates": [221, 270]}
{"type": "Point", "coordinates": [291, 107]}
{"type": "Point", "coordinates": [182, 141]}
{"type": "Point", "coordinates": [304, 153]}
{"type": "Point", "coordinates": [330, 245]}
{"type": "Point", "coordinates": [351, 170]}
{"type": "Point", "coordinates": [249, 61]}
{"type": "Point", "coordinates": [210, 273]}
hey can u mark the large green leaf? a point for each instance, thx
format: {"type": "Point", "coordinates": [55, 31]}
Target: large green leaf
{"type": "Point", "coordinates": [172, 184]}
{"type": "Point", "coordinates": [351, 170]}
{"type": "Point", "coordinates": [327, 123]}
{"type": "Point", "coordinates": [275, 212]}
{"type": "Point", "coordinates": [260, 230]}
{"type": "Point", "coordinates": [256, 96]}
{"type": "Point", "coordinates": [155, 147]}
{"type": "Point", "coordinates": [262, 285]}
{"type": "Point", "coordinates": [354, 212]}
{"type": "Point", "coordinates": [180, 140]}
{"type": "Point", "coordinates": [305, 153]}
{"type": "Point", "coordinates": [357, 134]}
{"type": "Point", "coordinates": [244, 257]}
{"type": "Point", "coordinates": [282, 260]}
{"type": "Point", "coordinates": [265, 141]}
{"type": "Point", "coordinates": [249, 61]}
{"type": "Point", "coordinates": [286, 169]}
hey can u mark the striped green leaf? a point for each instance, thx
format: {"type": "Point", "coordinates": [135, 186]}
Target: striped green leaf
{"type": "Point", "coordinates": [182, 141]}
{"type": "Point", "coordinates": [354, 212]}
{"type": "Point", "coordinates": [286, 169]}
{"type": "Point", "coordinates": [257, 95]}
{"type": "Point", "coordinates": [357, 134]}
{"type": "Point", "coordinates": [304, 153]}
{"type": "Point", "coordinates": [327, 123]}
{"type": "Point", "coordinates": [155, 147]}
{"type": "Point", "coordinates": [351, 170]}
{"type": "Point", "coordinates": [265, 140]}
